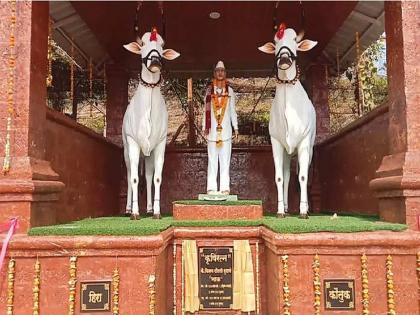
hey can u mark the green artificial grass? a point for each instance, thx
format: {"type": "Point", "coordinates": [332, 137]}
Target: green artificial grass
{"type": "Point", "coordinates": [149, 226]}
{"type": "Point", "coordinates": [218, 203]}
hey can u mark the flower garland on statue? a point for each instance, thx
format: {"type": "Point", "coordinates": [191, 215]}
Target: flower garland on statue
{"type": "Point", "coordinates": [219, 109]}
{"type": "Point", "coordinates": [10, 86]}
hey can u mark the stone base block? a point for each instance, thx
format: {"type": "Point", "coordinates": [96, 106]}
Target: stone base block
{"type": "Point", "coordinates": [218, 211]}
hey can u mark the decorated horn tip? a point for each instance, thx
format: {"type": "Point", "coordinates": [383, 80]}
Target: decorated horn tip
{"type": "Point", "coordinates": [280, 30]}
{"type": "Point", "coordinates": [153, 34]}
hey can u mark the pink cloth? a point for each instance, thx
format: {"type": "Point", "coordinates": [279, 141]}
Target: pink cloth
{"type": "Point", "coordinates": [10, 227]}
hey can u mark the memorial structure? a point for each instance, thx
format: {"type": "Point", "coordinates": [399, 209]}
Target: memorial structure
{"type": "Point", "coordinates": [68, 251]}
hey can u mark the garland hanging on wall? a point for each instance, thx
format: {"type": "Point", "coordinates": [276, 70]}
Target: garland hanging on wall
{"type": "Point", "coordinates": [365, 285]}
{"type": "Point", "coordinates": [286, 290]}
{"type": "Point", "coordinates": [10, 87]}
{"type": "Point", "coordinates": [257, 263]}
{"type": "Point", "coordinates": [36, 288]}
{"type": "Point", "coordinates": [72, 285]}
{"type": "Point", "coordinates": [49, 55]}
{"type": "Point", "coordinates": [174, 275]}
{"type": "Point", "coordinates": [390, 286]}
{"type": "Point", "coordinates": [317, 285]}
{"type": "Point", "coordinates": [116, 291]}
{"type": "Point", "coordinates": [152, 294]}
{"type": "Point", "coordinates": [11, 286]}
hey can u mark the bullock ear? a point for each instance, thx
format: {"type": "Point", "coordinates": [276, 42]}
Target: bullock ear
{"type": "Point", "coordinates": [170, 54]}
{"type": "Point", "coordinates": [306, 45]}
{"type": "Point", "coordinates": [134, 47]}
{"type": "Point", "coordinates": [268, 48]}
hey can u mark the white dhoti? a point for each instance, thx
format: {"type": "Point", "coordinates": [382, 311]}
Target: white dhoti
{"type": "Point", "coordinates": [218, 156]}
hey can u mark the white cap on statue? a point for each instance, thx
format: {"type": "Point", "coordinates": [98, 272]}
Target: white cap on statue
{"type": "Point", "coordinates": [220, 65]}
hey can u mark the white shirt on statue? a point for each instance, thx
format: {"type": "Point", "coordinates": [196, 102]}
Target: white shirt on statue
{"type": "Point", "coordinates": [230, 118]}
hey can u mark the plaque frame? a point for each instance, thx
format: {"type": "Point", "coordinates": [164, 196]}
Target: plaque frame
{"type": "Point", "coordinates": [200, 250]}
{"type": "Point", "coordinates": [107, 288]}
{"type": "Point", "coordinates": [351, 285]}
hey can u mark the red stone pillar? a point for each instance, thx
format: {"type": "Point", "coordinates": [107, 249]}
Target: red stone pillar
{"type": "Point", "coordinates": [117, 101]}
{"type": "Point", "coordinates": [317, 78]}
{"type": "Point", "coordinates": [30, 189]}
{"type": "Point", "coordinates": [397, 182]}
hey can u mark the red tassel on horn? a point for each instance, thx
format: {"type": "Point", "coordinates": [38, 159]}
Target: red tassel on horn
{"type": "Point", "coordinates": [280, 31]}
{"type": "Point", "coordinates": [153, 34]}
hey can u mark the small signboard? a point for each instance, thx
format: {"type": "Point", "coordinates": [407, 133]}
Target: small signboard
{"type": "Point", "coordinates": [95, 296]}
{"type": "Point", "coordinates": [215, 266]}
{"type": "Point", "coordinates": [339, 294]}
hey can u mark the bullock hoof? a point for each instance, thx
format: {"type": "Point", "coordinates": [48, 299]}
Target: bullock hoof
{"type": "Point", "coordinates": [157, 216]}
{"type": "Point", "coordinates": [149, 213]}
{"type": "Point", "coordinates": [128, 213]}
{"type": "Point", "coordinates": [135, 216]}
{"type": "Point", "coordinates": [281, 215]}
{"type": "Point", "coordinates": [304, 216]}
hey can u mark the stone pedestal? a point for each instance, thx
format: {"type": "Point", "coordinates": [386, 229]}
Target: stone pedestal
{"type": "Point", "coordinates": [397, 182]}
{"type": "Point", "coordinates": [30, 189]}
{"type": "Point", "coordinates": [229, 210]}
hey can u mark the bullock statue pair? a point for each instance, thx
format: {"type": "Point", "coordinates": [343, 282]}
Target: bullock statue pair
{"type": "Point", "coordinates": [292, 122]}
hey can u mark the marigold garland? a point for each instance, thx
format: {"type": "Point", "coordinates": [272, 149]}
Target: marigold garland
{"type": "Point", "coordinates": [317, 285]}
{"type": "Point", "coordinates": [174, 275]}
{"type": "Point", "coordinates": [365, 285]}
{"type": "Point", "coordinates": [286, 290]}
{"type": "Point", "coordinates": [418, 272]}
{"type": "Point", "coordinates": [11, 286]}
{"type": "Point", "coordinates": [116, 291]}
{"type": "Point", "coordinates": [36, 288]}
{"type": "Point", "coordinates": [257, 263]}
{"type": "Point", "coordinates": [390, 286]}
{"type": "Point", "coordinates": [72, 285]}
{"type": "Point", "coordinates": [49, 55]}
{"type": "Point", "coordinates": [10, 87]}
{"type": "Point", "coordinates": [152, 294]}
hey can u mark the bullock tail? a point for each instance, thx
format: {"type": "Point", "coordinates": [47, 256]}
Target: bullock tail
{"type": "Point", "coordinates": [142, 176]}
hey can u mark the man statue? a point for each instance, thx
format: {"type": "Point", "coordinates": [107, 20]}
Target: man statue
{"type": "Point", "coordinates": [218, 119]}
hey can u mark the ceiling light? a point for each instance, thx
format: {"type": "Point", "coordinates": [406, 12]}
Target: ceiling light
{"type": "Point", "coordinates": [214, 15]}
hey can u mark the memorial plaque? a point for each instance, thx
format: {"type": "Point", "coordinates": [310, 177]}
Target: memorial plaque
{"type": "Point", "coordinates": [339, 294]}
{"type": "Point", "coordinates": [215, 266]}
{"type": "Point", "coordinates": [95, 296]}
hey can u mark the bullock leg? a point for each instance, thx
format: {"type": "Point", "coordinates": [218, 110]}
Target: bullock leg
{"type": "Point", "coordinates": [159, 157]}
{"type": "Point", "coordinates": [278, 153]}
{"type": "Point", "coordinates": [129, 190]}
{"type": "Point", "coordinates": [150, 167]}
{"type": "Point", "coordinates": [304, 160]}
{"type": "Point", "coordinates": [286, 174]}
{"type": "Point", "coordinates": [134, 156]}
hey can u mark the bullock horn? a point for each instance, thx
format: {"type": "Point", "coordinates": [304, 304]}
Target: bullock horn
{"type": "Point", "coordinates": [139, 41]}
{"type": "Point", "coordinates": [299, 37]}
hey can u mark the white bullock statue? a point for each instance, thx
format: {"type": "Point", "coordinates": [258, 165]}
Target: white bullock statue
{"type": "Point", "coordinates": [292, 118]}
{"type": "Point", "coordinates": [145, 124]}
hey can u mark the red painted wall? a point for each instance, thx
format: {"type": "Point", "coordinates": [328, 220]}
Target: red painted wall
{"type": "Point", "coordinates": [89, 166]}
{"type": "Point", "coordinates": [348, 162]}
{"type": "Point", "coordinates": [252, 176]}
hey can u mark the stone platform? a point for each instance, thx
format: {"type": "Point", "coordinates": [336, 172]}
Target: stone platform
{"type": "Point", "coordinates": [217, 210]}
{"type": "Point", "coordinates": [140, 257]}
